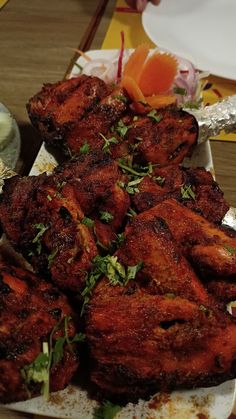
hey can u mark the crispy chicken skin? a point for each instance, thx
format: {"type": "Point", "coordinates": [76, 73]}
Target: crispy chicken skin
{"type": "Point", "coordinates": [49, 228]}
{"type": "Point", "coordinates": [97, 123]}
{"type": "Point", "coordinates": [81, 110]}
{"type": "Point", "coordinates": [210, 250]}
{"type": "Point", "coordinates": [222, 289]}
{"type": "Point", "coordinates": [171, 182]}
{"type": "Point", "coordinates": [59, 106]}
{"type": "Point", "coordinates": [30, 309]}
{"type": "Point", "coordinates": [49, 232]}
{"type": "Point", "coordinates": [165, 141]}
{"type": "Point", "coordinates": [162, 330]}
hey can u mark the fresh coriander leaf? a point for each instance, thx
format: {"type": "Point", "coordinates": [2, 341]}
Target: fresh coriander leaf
{"type": "Point", "coordinates": [122, 98]}
{"type": "Point", "coordinates": [153, 115]}
{"type": "Point", "coordinates": [88, 222]}
{"type": "Point", "coordinates": [131, 187]}
{"type": "Point", "coordinates": [60, 185]}
{"type": "Point", "coordinates": [51, 257]}
{"type": "Point", "coordinates": [120, 237]}
{"type": "Point", "coordinates": [37, 239]}
{"type": "Point", "coordinates": [79, 337]}
{"type": "Point", "coordinates": [58, 350]}
{"type": "Point", "coordinates": [38, 371]}
{"type": "Point", "coordinates": [108, 266]}
{"type": "Point", "coordinates": [230, 249]}
{"type": "Point", "coordinates": [205, 310]}
{"type": "Point", "coordinates": [122, 129]}
{"type": "Point", "coordinates": [192, 104]}
{"type": "Point", "coordinates": [180, 91]}
{"type": "Point", "coordinates": [106, 216]}
{"type": "Point", "coordinates": [133, 270]}
{"type": "Point", "coordinates": [49, 198]}
{"type": "Point", "coordinates": [187, 192]}
{"type": "Point", "coordinates": [131, 213]}
{"type": "Point", "coordinates": [85, 148]}
{"type": "Point", "coordinates": [159, 179]}
{"type": "Point", "coordinates": [108, 142]}
{"type": "Point", "coordinates": [107, 410]}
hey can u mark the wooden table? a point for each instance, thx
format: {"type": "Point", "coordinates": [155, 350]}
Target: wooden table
{"type": "Point", "coordinates": [37, 40]}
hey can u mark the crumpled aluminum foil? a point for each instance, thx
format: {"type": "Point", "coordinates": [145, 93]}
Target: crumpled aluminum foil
{"type": "Point", "coordinates": [214, 118]}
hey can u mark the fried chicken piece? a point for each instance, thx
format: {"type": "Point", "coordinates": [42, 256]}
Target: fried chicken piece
{"type": "Point", "coordinates": [48, 229]}
{"type": "Point", "coordinates": [165, 138]}
{"type": "Point", "coordinates": [78, 113]}
{"type": "Point", "coordinates": [193, 187]}
{"type": "Point", "coordinates": [161, 330]}
{"type": "Point", "coordinates": [30, 309]}
{"type": "Point", "coordinates": [210, 249]}
{"type": "Point", "coordinates": [222, 289]}
{"type": "Point", "coordinates": [95, 179]}
{"type": "Point", "coordinates": [96, 124]}
{"type": "Point", "coordinates": [61, 105]}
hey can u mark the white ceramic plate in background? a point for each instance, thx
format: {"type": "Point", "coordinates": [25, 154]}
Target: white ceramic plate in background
{"type": "Point", "coordinates": [203, 31]}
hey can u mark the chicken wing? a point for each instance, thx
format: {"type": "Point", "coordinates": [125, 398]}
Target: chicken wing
{"type": "Point", "coordinates": [161, 330]}
{"type": "Point", "coordinates": [31, 311]}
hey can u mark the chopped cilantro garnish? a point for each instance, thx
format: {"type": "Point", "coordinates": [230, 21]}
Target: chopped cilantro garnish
{"type": "Point", "coordinates": [49, 198]}
{"type": "Point", "coordinates": [131, 213]}
{"type": "Point", "coordinates": [108, 266]}
{"type": "Point", "coordinates": [37, 239]}
{"type": "Point", "coordinates": [51, 257]}
{"type": "Point", "coordinates": [230, 249]}
{"type": "Point", "coordinates": [108, 142]}
{"type": "Point", "coordinates": [120, 237]}
{"type": "Point", "coordinates": [85, 148]}
{"type": "Point", "coordinates": [107, 410]}
{"type": "Point", "coordinates": [122, 98]}
{"type": "Point", "coordinates": [180, 91]}
{"type": "Point", "coordinates": [153, 115]}
{"type": "Point", "coordinates": [88, 222]}
{"type": "Point", "coordinates": [205, 310]}
{"type": "Point", "coordinates": [159, 179]}
{"type": "Point", "coordinates": [187, 192]}
{"type": "Point", "coordinates": [122, 129]}
{"type": "Point", "coordinates": [135, 177]}
{"type": "Point", "coordinates": [39, 370]}
{"type": "Point", "coordinates": [106, 216]}
{"type": "Point", "coordinates": [131, 187]}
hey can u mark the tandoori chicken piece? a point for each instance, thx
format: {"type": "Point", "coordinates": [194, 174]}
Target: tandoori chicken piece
{"type": "Point", "coordinates": [93, 130]}
{"type": "Point", "coordinates": [164, 138]}
{"type": "Point", "coordinates": [59, 106]}
{"type": "Point", "coordinates": [193, 187]}
{"type": "Point", "coordinates": [222, 289]}
{"type": "Point", "coordinates": [86, 114]}
{"type": "Point", "coordinates": [48, 230]}
{"type": "Point", "coordinates": [159, 330]}
{"type": "Point", "coordinates": [209, 249]}
{"type": "Point", "coordinates": [34, 315]}
{"type": "Point", "coordinates": [61, 216]}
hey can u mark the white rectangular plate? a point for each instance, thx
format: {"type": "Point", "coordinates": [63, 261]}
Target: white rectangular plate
{"type": "Point", "coordinates": [74, 402]}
